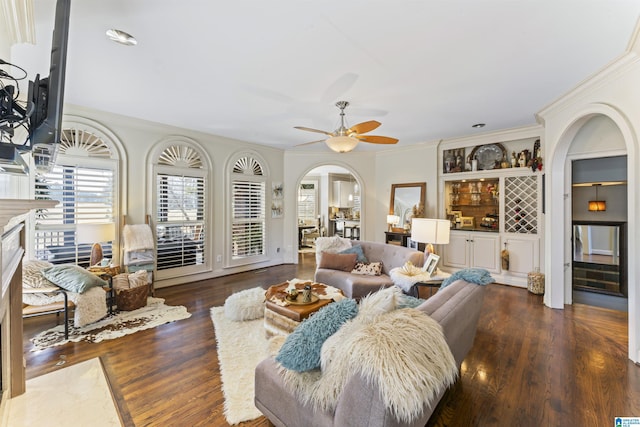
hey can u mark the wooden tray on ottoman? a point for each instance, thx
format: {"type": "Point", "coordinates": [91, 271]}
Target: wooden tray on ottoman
{"type": "Point", "coordinates": [282, 320]}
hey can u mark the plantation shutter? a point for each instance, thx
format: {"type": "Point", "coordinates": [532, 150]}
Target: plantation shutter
{"type": "Point", "coordinates": [180, 220]}
{"type": "Point", "coordinates": [87, 196]}
{"type": "Point", "coordinates": [248, 212]}
{"type": "Point", "coordinates": [307, 201]}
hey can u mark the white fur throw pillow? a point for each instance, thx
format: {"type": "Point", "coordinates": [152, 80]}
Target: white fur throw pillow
{"type": "Point", "coordinates": [333, 244]}
{"type": "Point", "coordinates": [245, 305]}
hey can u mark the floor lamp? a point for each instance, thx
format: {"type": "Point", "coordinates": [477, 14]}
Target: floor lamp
{"type": "Point", "coordinates": [95, 234]}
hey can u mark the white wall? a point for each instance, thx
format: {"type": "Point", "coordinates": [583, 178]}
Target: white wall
{"type": "Point", "coordinates": [416, 163]}
{"type": "Point", "coordinates": [11, 186]}
{"type": "Point", "coordinates": [139, 137]}
{"type": "Point", "coordinates": [298, 164]}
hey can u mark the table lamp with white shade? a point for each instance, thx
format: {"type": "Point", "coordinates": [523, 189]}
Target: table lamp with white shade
{"type": "Point", "coordinates": [95, 234]}
{"type": "Point", "coordinates": [392, 220]}
{"type": "Point", "coordinates": [431, 232]}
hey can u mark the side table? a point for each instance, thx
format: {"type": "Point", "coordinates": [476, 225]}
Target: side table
{"type": "Point", "coordinates": [107, 273]}
{"type": "Point", "coordinates": [431, 284]}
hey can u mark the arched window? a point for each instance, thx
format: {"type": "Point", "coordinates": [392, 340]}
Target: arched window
{"type": "Point", "coordinates": [84, 179]}
{"type": "Point", "coordinates": [179, 209]}
{"type": "Point", "coordinates": [248, 211]}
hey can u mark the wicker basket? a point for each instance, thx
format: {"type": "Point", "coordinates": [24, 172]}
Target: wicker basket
{"type": "Point", "coordinates": [132, 298]}
{"type": "Point", "coordinates": [535, 282]}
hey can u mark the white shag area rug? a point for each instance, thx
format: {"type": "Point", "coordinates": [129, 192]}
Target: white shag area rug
{"type": "Point", "coordinates": [241, 346]}
{"type": "Point", "coordinates": [155, 313]}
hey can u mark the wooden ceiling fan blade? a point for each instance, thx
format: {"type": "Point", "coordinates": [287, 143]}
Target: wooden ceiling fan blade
{"type": "Point", "coordinates": [378, 139]}
{"type": "Point", "coordinates": [365, 127]}
{"type": "Point", "coordinates": [313, 130]}
{"type": "Point", "coordinates": [311, 142]}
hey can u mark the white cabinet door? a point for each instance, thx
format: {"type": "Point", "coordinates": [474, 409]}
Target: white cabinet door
{"type": "Point", "coordinates": [478, 250]}
{"type": "Point", "coordinates": [524, 255]}
{"type": "Point", "coordinates": [485, 250]}
{"type": "Point", "coordinates": [456, 253]}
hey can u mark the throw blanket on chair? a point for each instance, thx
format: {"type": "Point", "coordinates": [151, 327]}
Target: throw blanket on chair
{"type": "Point", "coordinates": [403, 351]}
{"type": "Point", "coordinates": [137, 237]}
{"type": "Point", "coordinates": [91, 306]}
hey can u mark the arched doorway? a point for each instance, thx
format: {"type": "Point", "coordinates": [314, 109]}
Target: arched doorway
{"type": "Point", "coordinates": [558, 247]}
{"type": "Point", "coordinates": [328, 203]}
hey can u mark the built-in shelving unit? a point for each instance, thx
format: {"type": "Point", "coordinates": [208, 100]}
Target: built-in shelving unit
{"type": "Point", "coordinates": [494, 203]}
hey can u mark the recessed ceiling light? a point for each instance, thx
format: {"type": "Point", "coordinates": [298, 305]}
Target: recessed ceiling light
{"type": "Point", "coordinates": [121, 37]}
{"type": "Point", "coordinates": [478, 125]}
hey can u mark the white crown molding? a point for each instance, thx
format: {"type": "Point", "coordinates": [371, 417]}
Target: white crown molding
{"type": "Point", "coordinates": [634, 41]}
{"type": "Point", "coordinates": [18, 21]}
{"type": "Point", "coordinates": [492, 137]}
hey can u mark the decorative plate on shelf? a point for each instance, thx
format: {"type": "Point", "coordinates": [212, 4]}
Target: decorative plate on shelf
{"type": "Point", "coordinates": [489, 156]}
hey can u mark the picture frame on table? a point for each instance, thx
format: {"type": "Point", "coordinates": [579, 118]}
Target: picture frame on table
{"type": "Point", "coordinates": [454, 217]}
{"type": "Point", "coordinates": [467, 222]}
{"type": "Point", "coordinates": [431, 263]}
{"type": "Point", "coordinates": [456, 214]}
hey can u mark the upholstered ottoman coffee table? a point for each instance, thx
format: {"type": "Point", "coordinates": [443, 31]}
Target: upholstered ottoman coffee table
{"type": "Point", "coordinates": [282, 316]}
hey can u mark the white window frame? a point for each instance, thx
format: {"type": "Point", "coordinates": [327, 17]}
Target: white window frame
{"type": "Point", "coordinates": [63, 160]}
{"type": "Point", "coordinates": [232, 259]}
{"type": "Point", "coordinates": [203, 254]}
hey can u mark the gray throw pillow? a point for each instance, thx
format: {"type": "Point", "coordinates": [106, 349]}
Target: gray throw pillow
{"type": "Point", "coordinates": [72, 278]}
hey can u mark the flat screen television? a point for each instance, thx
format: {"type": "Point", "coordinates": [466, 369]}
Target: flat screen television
{"type": "Point", "coordinates": [47, 94]}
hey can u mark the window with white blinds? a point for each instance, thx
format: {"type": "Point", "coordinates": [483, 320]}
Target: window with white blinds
{"type": "Point", "coordinates": [307, 201]}
{"type": "Point", "coordinates": [180, 220]}
{"type": "Point", "coordinates": [248, 219]}
{"type": "Point", "coordinates": [86, 195]}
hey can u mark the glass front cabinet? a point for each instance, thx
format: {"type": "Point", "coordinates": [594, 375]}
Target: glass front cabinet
{"type": "Point", "coordinates": [496, 214]}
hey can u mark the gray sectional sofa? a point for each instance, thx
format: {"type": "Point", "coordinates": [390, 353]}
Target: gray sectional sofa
{"type": "Point", "coordinates": [358, 285]}
{"type": "Point", "coordinates": [456, 308]}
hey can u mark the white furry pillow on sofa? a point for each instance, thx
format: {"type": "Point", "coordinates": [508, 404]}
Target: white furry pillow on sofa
{"type": "Point", "coordinates": [245, 305]}
{"type": "Point", "coordinates": [333, 244]}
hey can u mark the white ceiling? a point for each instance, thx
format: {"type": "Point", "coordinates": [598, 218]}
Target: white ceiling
{"type": "Point", "coordinates": [254, 69]}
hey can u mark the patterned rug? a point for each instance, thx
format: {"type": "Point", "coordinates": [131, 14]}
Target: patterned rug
{"type": "Point", "coordinates": [113, 326]}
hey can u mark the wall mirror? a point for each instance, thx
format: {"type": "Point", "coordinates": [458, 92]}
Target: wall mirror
{"type": "Point", "coordinates": [404, 197]}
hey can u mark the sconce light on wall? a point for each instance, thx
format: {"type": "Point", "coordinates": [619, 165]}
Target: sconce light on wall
{"type": "Point", "coordinates": [597, 205]}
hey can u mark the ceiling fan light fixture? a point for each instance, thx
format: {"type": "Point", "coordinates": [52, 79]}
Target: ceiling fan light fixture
{"type": "Point", "coordinates": [342, 143]}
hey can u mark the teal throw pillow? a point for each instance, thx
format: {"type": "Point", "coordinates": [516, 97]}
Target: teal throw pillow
{"type": "Point", "coordinates": [301, 350]}
{"type": "Point", "coordinates": [72, 278]}
{"type": "Point", "coordinates": [357, 249]}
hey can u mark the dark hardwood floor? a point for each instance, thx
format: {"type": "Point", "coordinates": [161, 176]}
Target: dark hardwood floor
{"type": "Point", "coordinates": [530, 365]}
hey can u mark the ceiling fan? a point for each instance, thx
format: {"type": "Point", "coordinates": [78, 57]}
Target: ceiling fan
{"type": "Point", "coordinates": [345, 139]}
